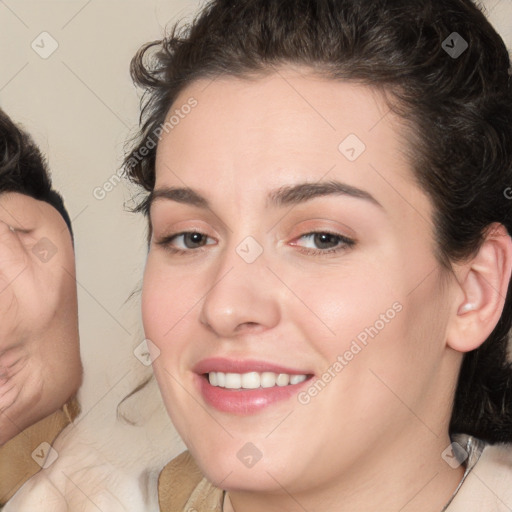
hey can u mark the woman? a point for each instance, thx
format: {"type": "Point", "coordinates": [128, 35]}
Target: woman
{"type": "Point", "coordinates": [327, 289]}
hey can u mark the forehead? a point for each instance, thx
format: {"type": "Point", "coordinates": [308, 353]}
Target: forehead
{"type": "Point", "coordinates": [288, 126]}
{"type": "Point", "coordinates": [291, 106]}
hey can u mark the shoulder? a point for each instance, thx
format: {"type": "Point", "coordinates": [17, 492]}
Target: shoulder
{"type": "Point", "coordinates": [17, 464]}
{"type": "Point", "coordinates": [488, 486]}
{"type": "Point", "coordinates": [181, 487]}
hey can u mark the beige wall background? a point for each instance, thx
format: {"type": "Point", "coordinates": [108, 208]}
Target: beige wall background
{"type": "Point", "coordinates": [80, 106]}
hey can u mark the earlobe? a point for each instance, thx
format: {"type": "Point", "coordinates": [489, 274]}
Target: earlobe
{"type": "Point", "coordinates": [484, 282]}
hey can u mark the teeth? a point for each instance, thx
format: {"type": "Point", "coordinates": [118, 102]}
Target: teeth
{"type": "Point", "coordinates": [267, 380]}
{"type": "Point", "coordinates": [233, 381]}
{"type": "Point", "coordinates": [250, 380]}
{"type": "Point", "coordinates": [212, 377]}
{"type": "Point", "coordinates": [296, 379]}
{"type": "Point", "coordinates": [283, 379]}
{"type": "Point", "coordinates": [253, 380]}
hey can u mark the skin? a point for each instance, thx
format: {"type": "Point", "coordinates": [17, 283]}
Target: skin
{"type": "Point", "coordinates": [372, 439]}
{"type": "Point", "coordinates": [40, 366]}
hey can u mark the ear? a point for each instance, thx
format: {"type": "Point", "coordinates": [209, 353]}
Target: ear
{"type": "Point", "coordinates": [483, 283]}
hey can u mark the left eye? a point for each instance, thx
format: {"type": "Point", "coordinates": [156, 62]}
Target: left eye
{"type": "Point", "coordinates": [325, 241]}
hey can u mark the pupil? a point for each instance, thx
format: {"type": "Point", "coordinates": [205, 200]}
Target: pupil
{"type": "Point", "coordinates": [323, 239]}
{"type": "Point", "coordinates": [195, 238]}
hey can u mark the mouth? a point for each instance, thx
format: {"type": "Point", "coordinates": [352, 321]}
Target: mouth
{"type": "Point", "coordinates": [254, 380]}
{"type": "Point", "coordinates": [247, 387]}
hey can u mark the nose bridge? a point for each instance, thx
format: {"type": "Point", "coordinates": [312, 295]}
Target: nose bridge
{"type": "Point", "coordinates": [239, 293]}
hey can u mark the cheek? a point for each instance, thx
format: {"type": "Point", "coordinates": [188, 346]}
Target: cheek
{"type": "Point", "coordinates": [170, 298]}
{"type": "Point", "coordinates": [162, 308]}
{"type": "Point", "coordinates": [153, 304]}
{"type": "Point", "coordinates": [342, 305]}
{"type": "Point", "coordinates": [367, 325]}
{"type": "Point", "coordinates": [160, 304]}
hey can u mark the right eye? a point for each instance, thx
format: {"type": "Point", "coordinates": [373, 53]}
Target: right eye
{"type": "Point", "coordinates": [187, 241]}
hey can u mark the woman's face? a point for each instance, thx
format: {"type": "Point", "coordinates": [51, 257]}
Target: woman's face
{"type": "Point", "coordinates": [309, 294]}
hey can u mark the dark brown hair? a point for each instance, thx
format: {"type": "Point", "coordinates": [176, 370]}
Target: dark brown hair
{"type": "Point", "coordinates": [459, 108]}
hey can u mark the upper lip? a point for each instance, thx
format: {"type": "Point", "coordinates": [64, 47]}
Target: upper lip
{"type": "Point", "coordinates": [224, 365]}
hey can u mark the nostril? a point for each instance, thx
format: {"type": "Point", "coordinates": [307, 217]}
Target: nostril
{"type": "Point", "coordinates": [251, 326]}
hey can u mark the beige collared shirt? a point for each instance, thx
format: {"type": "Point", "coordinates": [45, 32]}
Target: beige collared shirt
{"type": "Point", "coordinates": [16, 462]}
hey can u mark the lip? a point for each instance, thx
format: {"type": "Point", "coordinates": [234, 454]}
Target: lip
{"type": "Point", "coordinates": [221, 364]}
{"type": "Point", "coordinates": [244, 401]}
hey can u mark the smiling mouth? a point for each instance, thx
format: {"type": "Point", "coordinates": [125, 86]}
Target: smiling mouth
{"type": "Point", "coordinates": [253, 380]}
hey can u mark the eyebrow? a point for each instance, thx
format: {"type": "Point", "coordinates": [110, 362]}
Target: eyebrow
{"type": "Point", "coordinates": [287, 195]}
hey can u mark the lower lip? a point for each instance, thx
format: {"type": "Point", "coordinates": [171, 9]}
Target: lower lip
{"type": "Point", "coordinates": [246, 401]}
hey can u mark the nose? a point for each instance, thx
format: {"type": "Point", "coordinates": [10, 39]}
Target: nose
{"type": "Point", "coordinates": [242, 297]}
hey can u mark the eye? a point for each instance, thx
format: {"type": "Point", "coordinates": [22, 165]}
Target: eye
{"type": "Point", "coordinates": [325, 242]}
{"type": "Point", "coordinates": [192, 241]}
{"type": "Point", "coordinates": [186, 241]}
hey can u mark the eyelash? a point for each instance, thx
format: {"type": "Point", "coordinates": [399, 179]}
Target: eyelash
{"type": "Point", "coordinates": [345, 243]}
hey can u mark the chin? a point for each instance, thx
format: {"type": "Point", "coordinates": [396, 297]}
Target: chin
{"type": "Point", "coordinates": [243, 469]}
